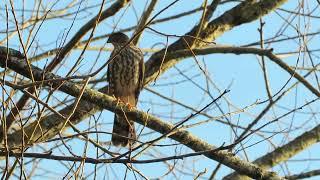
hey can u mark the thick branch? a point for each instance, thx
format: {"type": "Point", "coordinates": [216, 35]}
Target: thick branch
{"type": "Point", "coordinates": [285, 152]}
{"type": "Point", "coordinates": [109, 103]}
{"type": "Point", "coordinates": [213, 30]}
{"type": "Point", "coordinates": [91, 24]}
{"type": "Point", "coordinates": [183, 53]}
{"type": "Point", "coordinates": [245, 12]}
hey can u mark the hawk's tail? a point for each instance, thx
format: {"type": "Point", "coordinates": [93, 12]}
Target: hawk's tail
{"type": "Point", "coordinates": [123, 131]}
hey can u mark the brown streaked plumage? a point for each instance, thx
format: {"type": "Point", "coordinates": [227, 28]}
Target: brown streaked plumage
{"type": "Point", "coordinates": [125, 76]}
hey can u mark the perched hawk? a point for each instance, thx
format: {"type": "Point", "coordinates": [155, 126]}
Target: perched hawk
{"type": "Point", "coordinates": [125, 76]}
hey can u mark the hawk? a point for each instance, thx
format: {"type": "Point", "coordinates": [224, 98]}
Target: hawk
{"type": "Point", "coordinates": [125, 76]}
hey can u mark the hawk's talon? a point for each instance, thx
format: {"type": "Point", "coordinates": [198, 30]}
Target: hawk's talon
{"type": "Point", "coordinates": [129, 106]}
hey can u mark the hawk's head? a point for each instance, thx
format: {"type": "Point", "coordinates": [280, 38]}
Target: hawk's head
{"type": "Point", "coordinates": [118, 38]}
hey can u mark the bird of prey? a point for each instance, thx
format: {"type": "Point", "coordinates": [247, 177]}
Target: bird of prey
{"type": "Point", "coordinates": [125, 76]}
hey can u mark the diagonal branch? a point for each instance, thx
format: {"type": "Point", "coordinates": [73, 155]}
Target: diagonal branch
{"type": "Point", "coordinates": [184, 53]}
{"type": "Point", "coordinates": [91, 24]}
{"type": "Point", "coordinates": [245, 12]}
{"type": "Point", "coordinates": [284, 152]}
{"type": "Point", "coordinates": [143, 20]}
{"type": "Point", "coordinates": [114, 8]}
{"type": "Point", "coordinates": [109, 103]}
{"type": "Point", "coordinates": [240, 14]}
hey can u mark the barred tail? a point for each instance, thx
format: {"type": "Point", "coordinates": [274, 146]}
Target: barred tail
{"type": "Point", "coordinates": [123, 131]}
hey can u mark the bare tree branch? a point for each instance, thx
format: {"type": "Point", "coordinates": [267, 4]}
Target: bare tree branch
{"type": "Point", "coordinates": [142, 118]}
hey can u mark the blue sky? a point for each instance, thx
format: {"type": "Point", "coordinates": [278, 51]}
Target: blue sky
{"type": "Point", "coordinates": [241, 74]}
